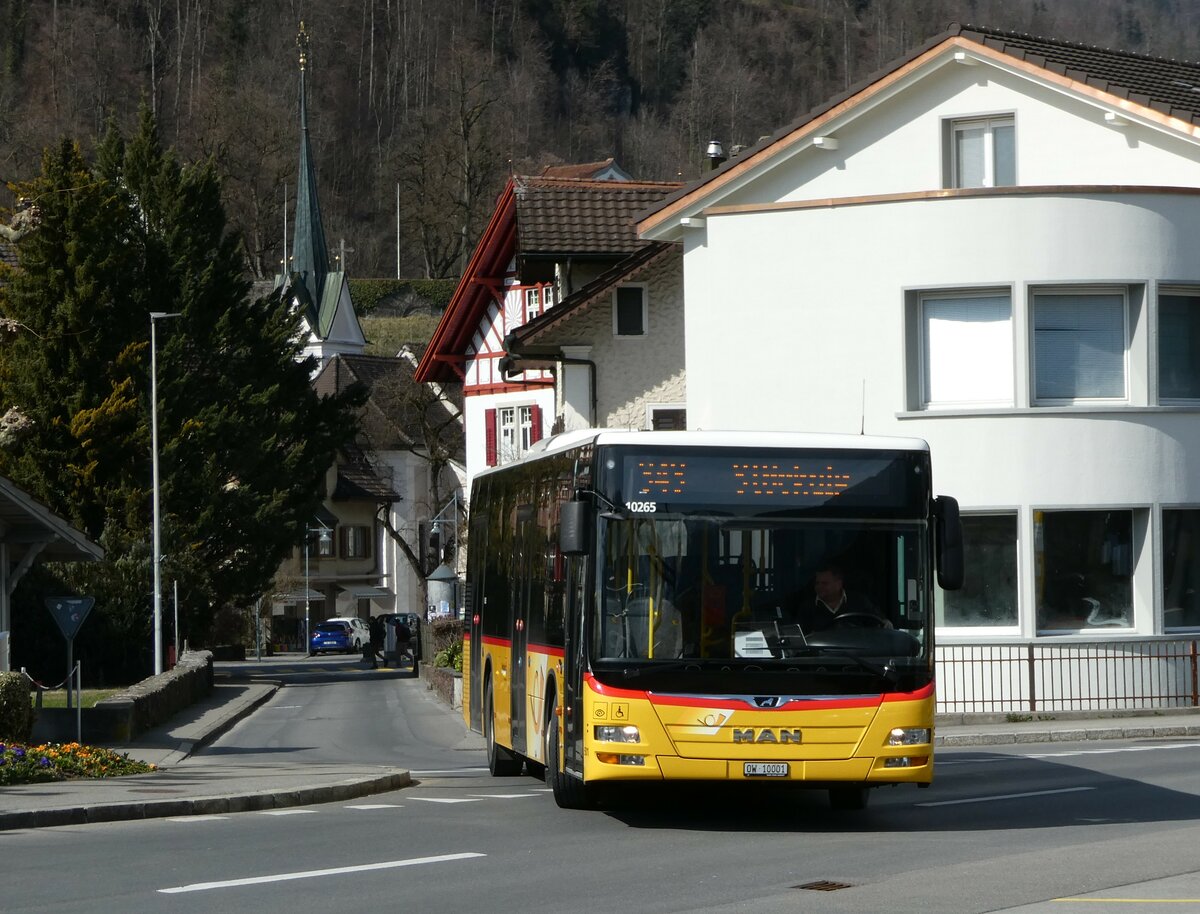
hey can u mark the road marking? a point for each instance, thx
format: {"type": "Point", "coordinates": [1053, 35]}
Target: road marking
{"type": "Point", "coordinates": [501, 796]}
{"type": "Point", "coordinates": [315, 874]}
{"type": "Point", "coordinates": [376, 806]}
{"type": "Point", "coordinates": [429, 773]}
{"type": "Point", "coordinates": [1007, 796]}
{"type": "Point", "coordinates": [196, 818]}
{"type": "Point", "coordinates": [287, 812]}
{"type": "Point", "coordinates": [1133, 900]}
{"type": "Point", "coordinates": [445, 800]}
{"type": "Point", "coordinates": [942, 761]}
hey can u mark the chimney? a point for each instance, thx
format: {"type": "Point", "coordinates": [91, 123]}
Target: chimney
{"type": "Point", "coordinates": [715, 154]}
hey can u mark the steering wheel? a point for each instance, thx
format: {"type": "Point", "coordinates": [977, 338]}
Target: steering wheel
{"type": "Point", "coordinates": [860, 620]}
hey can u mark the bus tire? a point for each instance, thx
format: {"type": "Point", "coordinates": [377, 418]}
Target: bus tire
{"type": "Point", "coordinates": [502, 763]}
{"type": "Point", "coordinates": [569, 793]}
{"type": "Point", "coordinates": [849, 798]}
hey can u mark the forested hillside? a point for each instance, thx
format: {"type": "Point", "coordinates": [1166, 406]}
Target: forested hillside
{"type": "Point", "coordinates": [424, 106]}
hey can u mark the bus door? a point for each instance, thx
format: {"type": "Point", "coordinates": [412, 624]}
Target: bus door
{"type": "Point", "coordinates": [521, 583]}
{"type": "Point", "coordinates": [476, 608]}
{"type": "Point", "coordinates": [574, 662]}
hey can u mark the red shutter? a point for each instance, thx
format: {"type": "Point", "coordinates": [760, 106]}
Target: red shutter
{"type": "Point", "coordinates": [489, 422]}
{"type": "Point", "coordinates": [535, 423]}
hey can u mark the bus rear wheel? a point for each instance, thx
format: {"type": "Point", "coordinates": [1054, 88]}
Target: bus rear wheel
{"type": "Point", "coordinates": [502, 763]}
{"type": "Point", "coordinates": [569, 793]}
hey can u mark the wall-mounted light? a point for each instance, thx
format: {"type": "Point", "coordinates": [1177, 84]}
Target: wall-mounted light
{"type": "Point", "coordinates": [965, 59]}
{"type": "Point", "coordinates": [1112, 119]}
{"type": "Point", "coordinates": [825, 142]}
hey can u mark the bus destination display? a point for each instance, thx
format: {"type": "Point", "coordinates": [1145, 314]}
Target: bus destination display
{"type": "Point", "coordinates": [774, 479]}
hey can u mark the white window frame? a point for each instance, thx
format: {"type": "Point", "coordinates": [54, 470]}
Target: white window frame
{"type": "Point", "coordinates": [1034, 292]}
{"type": "Point", "coordinates": [989, 123]}
{"type": "Point", "coordinates": [926, 362]}
{"type": "Point", "coordinates": [514, 431]}
{"type": "Point", "coordinates": [1174, 291]}
{"type": "Point", "coordinates": [533, 303]}
{"type": "Point", "coordinates": [645, 311]}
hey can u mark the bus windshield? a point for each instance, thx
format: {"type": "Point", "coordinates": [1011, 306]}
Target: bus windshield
{"type": "Point", "coordinates": [759, 591]}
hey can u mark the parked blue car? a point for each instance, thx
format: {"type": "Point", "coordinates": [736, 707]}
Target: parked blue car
{"type": "Point", "coordinates": [334, 636]}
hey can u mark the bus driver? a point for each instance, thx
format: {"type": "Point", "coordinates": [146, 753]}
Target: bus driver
{"type": "Point", "coordinates": [834, 605]}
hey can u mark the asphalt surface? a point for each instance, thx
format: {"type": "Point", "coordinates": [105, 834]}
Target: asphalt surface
{"type": "Point", "coordinates": [175, 790]}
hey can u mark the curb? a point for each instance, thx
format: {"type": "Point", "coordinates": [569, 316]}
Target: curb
{"type": "Point", "coordinates": [215, 805]}
{"type": "Point", "coordinates": [1009, 737]}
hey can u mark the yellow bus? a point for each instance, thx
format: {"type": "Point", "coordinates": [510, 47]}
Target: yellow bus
{"type": "Point", "coordinates": [707, 606]}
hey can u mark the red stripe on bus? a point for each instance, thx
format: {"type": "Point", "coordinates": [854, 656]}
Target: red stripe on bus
{"type": "Point", "coordinates": [858, 701]}
{"type": "Point", "coordinates": [546, 649]}
{"type": "Point", "coordinates": [497, 642]}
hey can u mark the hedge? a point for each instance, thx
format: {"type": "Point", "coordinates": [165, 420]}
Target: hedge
{"type": "Point", "coordinates": [16, 710]}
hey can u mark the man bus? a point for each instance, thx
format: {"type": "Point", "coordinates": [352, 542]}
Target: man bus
{"type": "Point", "coordinates": [641, 607]}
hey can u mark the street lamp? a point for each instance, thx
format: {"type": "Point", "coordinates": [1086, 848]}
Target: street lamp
{"type": "Point", "coordinates": [325, 538]}
{"type": "Point", "coordinates": [154, 316]}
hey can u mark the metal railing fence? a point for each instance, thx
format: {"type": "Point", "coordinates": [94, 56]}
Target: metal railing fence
{"type": "Point", "coordinates": [1067, 675]}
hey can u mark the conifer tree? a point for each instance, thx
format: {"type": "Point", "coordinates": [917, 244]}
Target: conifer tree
{"type": "Point", "coordinates": [244, 441]}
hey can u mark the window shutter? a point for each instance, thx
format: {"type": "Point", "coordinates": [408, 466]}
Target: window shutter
{"type": "Point", "coordinates": [489, 421]}
{"type": "Point", "coordinates": [535, 423]}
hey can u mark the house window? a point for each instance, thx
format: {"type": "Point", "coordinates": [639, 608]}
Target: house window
{"type": "Point", "coordinates": [510, 430]}
{"type": "Point", "coordinates": [1079, 345]}
{"type": "Point", "coordinates": [629, 311]}
{"type": "Point", "coordinates": [355, 542]}
{"type": "Point", "coordinates": [1084, 569]}
{"type": "Point", "coordinates": [983, 152]}
{"type": "Point", "coordinates": [966, 349]}
{"type": "Point", "coordinates": [1179, 345]}
{"type": "Point", "coordinates": [668, 419]}
{"type": "Point", "coordinates": [1181, 568]}
{"type": "Point", "coordinates": [533, 303]}
{"type": "Point", "coordinates": [988, 597]}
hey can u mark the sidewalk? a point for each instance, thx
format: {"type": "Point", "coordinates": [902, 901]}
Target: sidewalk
{"type": "Point", "coordinates": [182, 791]}
{"type": "Point", "coordinates": [212, 790]}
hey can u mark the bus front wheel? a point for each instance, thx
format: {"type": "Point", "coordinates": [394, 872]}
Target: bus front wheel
{"type": "Point", "coordinates": [569, 793]}
{"type": "Point", "coordinates": [849, 798]}
{"type": "Point", "coordinates": [502, 763]}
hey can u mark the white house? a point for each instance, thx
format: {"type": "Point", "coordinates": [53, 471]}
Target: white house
{"type": "Point", "coordinates": [992, 246]}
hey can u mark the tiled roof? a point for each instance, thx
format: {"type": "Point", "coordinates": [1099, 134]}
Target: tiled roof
{"type": "Point", "coordinates": [564, 216]}
{"type": "Point", "coordinates": [1169, 86]}
{"type": "Point", "coordinates": [358, 479]}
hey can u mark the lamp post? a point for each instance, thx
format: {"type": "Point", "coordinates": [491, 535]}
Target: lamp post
{"type": "Point", "coordinates": [154, 316]}
{"type": "Point", "coordinates": [324, 535]}
{"type": "Point", "coordinates": [445, 573]}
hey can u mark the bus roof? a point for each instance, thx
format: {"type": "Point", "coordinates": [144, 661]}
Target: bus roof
{"type": "Point", "coordinates": [565, 441]}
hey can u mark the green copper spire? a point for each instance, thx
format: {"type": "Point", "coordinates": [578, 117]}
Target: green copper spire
{"type": "Point", "coordinates": [310, 255]}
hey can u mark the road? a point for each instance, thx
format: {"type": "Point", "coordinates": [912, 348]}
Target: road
{"type": "Point", "coordinates": [1030, 829]}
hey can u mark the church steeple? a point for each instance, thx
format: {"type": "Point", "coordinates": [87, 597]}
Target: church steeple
{"type": "Point", "coordinates": [310, 255]}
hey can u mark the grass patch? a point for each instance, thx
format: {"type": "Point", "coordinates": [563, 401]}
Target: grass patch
{"type": "Point", "coordinates": [57, 698]}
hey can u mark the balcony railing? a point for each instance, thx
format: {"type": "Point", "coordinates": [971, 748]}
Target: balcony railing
{"type": "Point", "coordinates": [1054, 675]}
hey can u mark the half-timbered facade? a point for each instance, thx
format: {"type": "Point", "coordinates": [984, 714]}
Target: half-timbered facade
{"type": "Point", "coordinates": [548, 237]}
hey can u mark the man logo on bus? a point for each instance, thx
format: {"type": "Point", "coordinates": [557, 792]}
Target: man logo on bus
{"type": "Point", "coordinates": [766, 735]}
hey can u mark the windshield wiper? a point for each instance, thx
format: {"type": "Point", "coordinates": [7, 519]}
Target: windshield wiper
{"type": "Point", "coordinates": [887, 675]}
{"type": "Point", "coordinates": [632, 672]}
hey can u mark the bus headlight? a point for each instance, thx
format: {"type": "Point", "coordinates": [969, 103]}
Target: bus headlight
{"type": "Point", "coordinates": [618, 735]}
{"type": "Point", "coordinates": [908, 736]}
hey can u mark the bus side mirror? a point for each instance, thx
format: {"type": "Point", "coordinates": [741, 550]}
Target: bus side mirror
{"type": "Point", "coordinates": [949, 540]}
{"type": "Point", "coordinates": [575, 523]}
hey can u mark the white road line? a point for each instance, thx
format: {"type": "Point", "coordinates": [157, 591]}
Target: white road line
{"type": "Point", "coordinates": [418, 774]}
{"type": "Point", "coordinates": [196, 818]}
{"type": "Point", "coordinates": [1007, 796]}
{"type": "Point", "coordinates": [446, 800]}
{"type": "Point", "coordinates": [501, 796]}
{"type": "Point", "coordinates": [287, 812]}
{"type": "Point", "coordinates": [942, 761]}
{"type": "Point", "coordinates": [315, 874]}
{"type": "Point", "coordinates": [376, 806]}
